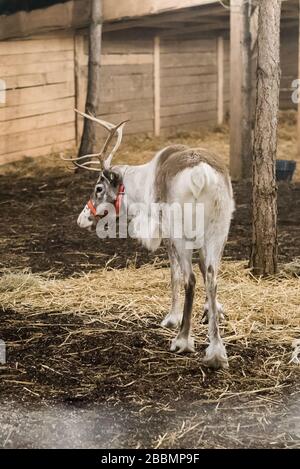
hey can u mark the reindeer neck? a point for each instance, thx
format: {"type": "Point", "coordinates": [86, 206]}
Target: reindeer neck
{"type": "Point", "coordinates": [137, 181]}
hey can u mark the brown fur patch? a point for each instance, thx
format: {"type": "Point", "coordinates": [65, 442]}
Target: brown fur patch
{"type": "Point", "coordinates": [175, 159]}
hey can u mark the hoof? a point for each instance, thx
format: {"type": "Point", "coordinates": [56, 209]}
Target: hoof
{"type": "Point", "coordinates": [216, 357]}
{"type": "Point", "coordinates": [182, 345]}
{"type": "Point", "coordinates": [171, 321]}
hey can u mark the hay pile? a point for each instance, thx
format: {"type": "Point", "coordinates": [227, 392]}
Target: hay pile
{"type": "Point", "coordinates": [266, 309]}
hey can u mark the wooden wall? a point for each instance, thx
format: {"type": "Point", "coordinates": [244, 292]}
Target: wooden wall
{"type": "Point", "coordinates": [46, 78]}
{"type": "Point", "coordinates": [127, 89]}
{"type": "Point", "coordinates": [188, 83]}
{"type": "Point", "coordinates": [289, 71]}
{"type": "Point", "coordinates": [37, 117]}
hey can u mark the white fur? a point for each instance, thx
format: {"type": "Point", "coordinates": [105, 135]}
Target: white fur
{"type": "Point", "coordinates": [84, 220]}
{"type": "Point", "coordinates": [215, 356]}
{"type": "Point", "coordinates": [182, 344]}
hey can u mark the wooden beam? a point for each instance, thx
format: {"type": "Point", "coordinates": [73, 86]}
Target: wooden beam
{"type": "Point", "coordinates": [72, 14]}
{"type": "Point", "coordinates": [206, 28]}
{"type": "Point", "coordinates": [298, 133]}
{"type": "Point", "coordinates": [118, 10]}
{"type": "Point", "coordinates": [193, 15]}
{"type": "Point", "coordinates": [240, 91]}
{"type": "Point", "coordinates": [76, 14]}
{"type": "Point", "coordinates": [80, 67]}
{"type": "Point", "coordinates": [157, 100]}
{"type": "Point", "coordinates": [220, 62]}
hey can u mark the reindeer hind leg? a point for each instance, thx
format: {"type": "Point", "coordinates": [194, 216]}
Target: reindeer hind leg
{"type": "Point", "coordinates": [215, 356]}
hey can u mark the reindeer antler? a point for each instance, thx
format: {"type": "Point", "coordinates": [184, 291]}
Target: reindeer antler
{"type": "Point", "coordinates": [105, 161]}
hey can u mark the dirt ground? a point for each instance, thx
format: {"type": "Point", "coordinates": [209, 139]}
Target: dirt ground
{"type": "Point", "coordinates": [119, 386]}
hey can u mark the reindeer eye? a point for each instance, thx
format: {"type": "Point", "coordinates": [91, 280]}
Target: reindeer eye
{"type": "Point", "coordinates": [99, 189]}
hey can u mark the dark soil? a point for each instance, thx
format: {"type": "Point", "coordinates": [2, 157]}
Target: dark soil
{"type": "Point", "coordinates": [38, 226]}
{"type": "Point", "coordinates": [142, 391]}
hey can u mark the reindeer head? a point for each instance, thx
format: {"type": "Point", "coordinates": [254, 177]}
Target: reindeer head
{"type": "Point", "coordinates": [109, 188]}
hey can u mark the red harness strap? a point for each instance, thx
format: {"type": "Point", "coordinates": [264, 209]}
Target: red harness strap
{"type": "Point", "coordinates": [117, 203]}
{"type": "Point", "coordinates": [92, 208]}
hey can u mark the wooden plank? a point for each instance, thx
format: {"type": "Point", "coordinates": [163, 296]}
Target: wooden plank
{"type": "Point", "coordinates": [35, 58]}
{"type": "Point", "coordinates": [30, 69]}
{"type": "Point", "coordinates": [23, 141]}
{"type": "Point", "coordinates": [175, 80]}
{"type": "Point", "coordinates": [140, 127]}
{"type": "Point", "coordinates": [39, 93]}
{"type": "Point", "coordinates": [35, 109]}
{"type": "Point", "coordinates": [183, 91]}
{"type": "Point", "coordinates": [186, 59]}
{"type": "Point", "coordinates": [36, 122]}
{"type": "Point", "coordinates": [125, 70]}
{"type": "Point", "coordinates": [129, 43]}
{"type": "Point", "coordinates": [39, 79]}
{"type": "Point", "coordinates": [127, 89]}
{"type": "Point", "coordinates": [220, 98]}
{"type": "Point", "coordinates": [132, 128]}
{"type": "Point", "coordinates": [194, 117]}
{"type": "Point", "coordinates": [157, 86]}
{"type": "Point", "coordinates": [135, 8]}
{"type": "Point", "coordinates": [31, 46]}
{"type": "Point", "coordinates": [189, 71]}
{"type": "Point", "coordinates": [123, 59]}
{"type": "Point", "coordinates": [69, 15]}
{"type": "Point", "coordinates": [125, 106]}
{"type": "Point", "coordinates": [187, 45]}
{"type": "Point", "coordinates": [188, 108]}
{"type": "Point", "coordinates": [36, 152]}
{"type": "Point", "coordinates": [126, 59]}
{"type": "Point", "coordinates": [132, 116]}
{"type": "Point", "coordinates": [189, 98]}
{"type": "Point", "coordinates": [174, 131]}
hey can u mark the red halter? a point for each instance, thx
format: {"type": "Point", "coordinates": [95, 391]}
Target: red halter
{"type": "Point", "coordinates": [117, 203]}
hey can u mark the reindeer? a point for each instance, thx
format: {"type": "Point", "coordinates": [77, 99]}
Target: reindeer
{"type": "Point", "coordinates": [176, 174]}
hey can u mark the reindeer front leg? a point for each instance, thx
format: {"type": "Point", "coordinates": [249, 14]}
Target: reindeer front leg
{"type": "Point", "coordinates": [174, 317]}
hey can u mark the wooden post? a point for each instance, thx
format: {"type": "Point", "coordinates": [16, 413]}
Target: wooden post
{"type": "Point", "coordinates": [89, 141]}
{"type": "Point", "coordinates": [264, 220]}
{"type": "Point", "coordinates": [220, 60]}
{"type": "Point", "coordinates": [80, 82]}
{"type": "Point", "coordinates": [157, 86]}
{"type": "Point", "coordinates": [298, 133]}
{"type": "Point", "coordinates": [240, 91]}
